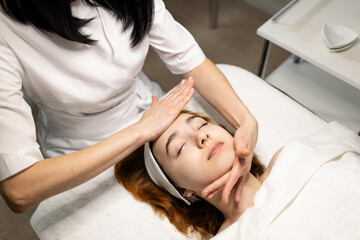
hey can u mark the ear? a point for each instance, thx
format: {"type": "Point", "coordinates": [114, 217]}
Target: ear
{"type": "Point", "coordinates": [188, 193]}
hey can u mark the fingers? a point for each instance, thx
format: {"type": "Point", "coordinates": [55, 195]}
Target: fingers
{"type": "Point", "coordinates": [178, 98]}
{"type": "Point", "coordinates": [244, 144]}
{"type": "Point", "coordinates": [233, 178]}
{"type": "Point", "coordinates": [185, 95]}
{"type": "Point", "coordinates": [213, 193]}
{"type": "Point", "coordinates": [215, 186]}
{"type": "Point", "coordinates": [239, 186]}
{"type": "Point", "coordinates": [182, 88]}
{"type": "Point", "coordinates": [163, 112]}
{"type": "Point", "coordinates": [173, 94]}
{"type": "Point", "coordinates": [186, 98]}
{"type": "Point", "coordinates": [154, 101]}
{"type": "Point", "coordinates": [243, 152]}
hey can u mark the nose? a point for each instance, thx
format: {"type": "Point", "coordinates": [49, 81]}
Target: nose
{"type": "Point", "coordinates": [202, 138]}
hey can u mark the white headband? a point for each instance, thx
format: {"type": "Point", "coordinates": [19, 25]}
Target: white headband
{"type": "Point", "coordinates": [157, 176]}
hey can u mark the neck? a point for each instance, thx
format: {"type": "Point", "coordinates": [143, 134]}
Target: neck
{"type": "Point", "coordinates": [233, 210]}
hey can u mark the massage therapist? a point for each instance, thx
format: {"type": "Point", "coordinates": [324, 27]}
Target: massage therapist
{"type": "Point", "coordinates": [80, 62]}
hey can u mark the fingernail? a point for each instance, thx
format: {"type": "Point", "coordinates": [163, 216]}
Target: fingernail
{"type": "Point", "coordinates": [182, 82]}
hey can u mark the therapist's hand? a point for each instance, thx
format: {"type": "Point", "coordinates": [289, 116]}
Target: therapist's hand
{"type": "Point", "coordinates": [163, 112]}
{"type": "Point", "coordinates": [245, 139]}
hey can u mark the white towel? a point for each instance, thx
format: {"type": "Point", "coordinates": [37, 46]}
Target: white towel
{"type": "Point", "coordinates": [313, 191]}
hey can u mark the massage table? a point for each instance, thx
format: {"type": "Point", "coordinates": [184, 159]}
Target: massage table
{"type": "Point", "coordinates": [102, 209]}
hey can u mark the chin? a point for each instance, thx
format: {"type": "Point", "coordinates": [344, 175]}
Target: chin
{"type": "Point", "coordinates": [220, 169]}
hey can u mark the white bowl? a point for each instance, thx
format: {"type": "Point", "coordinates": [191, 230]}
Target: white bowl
{"type": "Point", "coordinates": [337, 36]}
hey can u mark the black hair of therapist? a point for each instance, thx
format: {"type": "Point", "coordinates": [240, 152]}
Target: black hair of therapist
{"type": "Point", "coordinates": [56, 17]}
{"type": "Point", "coordinates": [51, 176]}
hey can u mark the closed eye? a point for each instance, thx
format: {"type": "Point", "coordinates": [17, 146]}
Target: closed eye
{"type": "Point", "coordinates": [204, 124]}
{"type": "Point", "coordinates": [180, 149]}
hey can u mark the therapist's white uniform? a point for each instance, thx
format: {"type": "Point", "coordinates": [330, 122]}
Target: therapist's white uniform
{"type": "Point", "coordinates": [85, 93]}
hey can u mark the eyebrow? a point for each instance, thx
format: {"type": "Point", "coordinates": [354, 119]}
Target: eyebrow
{"type": "Point", "coordinates": [189, 119]}
{"type": "Point", "coordinates": [173, 135]}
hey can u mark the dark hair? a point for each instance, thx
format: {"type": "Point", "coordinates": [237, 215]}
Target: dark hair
{"type": "Point", "coordinates": [55, 16]}
{"type": "Point", "coordinates": [200, 216]}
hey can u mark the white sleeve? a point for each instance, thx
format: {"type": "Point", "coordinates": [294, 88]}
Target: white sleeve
{"type": "Point", "coordinates": [18, 147]}
{"type": "Point", "coordinates": [175, 45]}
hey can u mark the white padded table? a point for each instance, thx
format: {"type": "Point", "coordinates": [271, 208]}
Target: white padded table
{"type": "Point", "coordinates": [102, 209]}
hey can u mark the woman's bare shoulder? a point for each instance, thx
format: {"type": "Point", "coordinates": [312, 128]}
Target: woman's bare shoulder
{"type": "Point", "coordinates": [271, 164]}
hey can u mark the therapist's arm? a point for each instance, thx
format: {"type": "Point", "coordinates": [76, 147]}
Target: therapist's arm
{"type": "Point", "coordinates": [214, 87]}
{"type": "Point", "coordinates": [51, 176]}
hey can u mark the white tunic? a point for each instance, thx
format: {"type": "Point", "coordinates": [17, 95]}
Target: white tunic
{"type": "Point", "coordinates": [85, 93]}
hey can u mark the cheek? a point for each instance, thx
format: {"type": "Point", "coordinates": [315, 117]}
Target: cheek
{"type": "Point", "coordinates": [196, 172]}
{"type": "Point", "coordinates": [189, 171]}
{"type": "Point", "coordinates": [220, 165]}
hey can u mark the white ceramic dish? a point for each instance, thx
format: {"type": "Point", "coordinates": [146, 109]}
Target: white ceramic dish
{"type": "Point", "coordinates": [337, 36]}
{"type": "Point", "coordinates": [337, 49]}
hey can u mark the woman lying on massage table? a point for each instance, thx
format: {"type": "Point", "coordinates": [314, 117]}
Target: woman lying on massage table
{"type": "Point", "coordinates": [193, 152]}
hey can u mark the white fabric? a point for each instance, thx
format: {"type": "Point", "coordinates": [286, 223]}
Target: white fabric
{"type": "Point", "coordinates": [103, 209]}
{"type": "Point", "coordinates": [311, 193]}
{"type": "Point", "coordinates": [85, 93]}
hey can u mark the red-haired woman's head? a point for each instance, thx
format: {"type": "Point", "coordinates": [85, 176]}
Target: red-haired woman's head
{"type": "Point", "coordinates": [192, 152]}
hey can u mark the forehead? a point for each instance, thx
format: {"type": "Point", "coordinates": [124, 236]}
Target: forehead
{"type": "Point", "coordinates": [175, 126]}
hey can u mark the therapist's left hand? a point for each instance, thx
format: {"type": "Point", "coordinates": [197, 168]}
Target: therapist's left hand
{"type": "Point", "coordinates": [245, 139]}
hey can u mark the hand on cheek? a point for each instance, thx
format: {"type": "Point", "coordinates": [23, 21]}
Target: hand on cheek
{"type": "Point", "coordinates": [234, 179]}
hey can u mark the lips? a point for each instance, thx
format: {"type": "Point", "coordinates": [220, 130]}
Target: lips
{"type": "Point", "coordinates": [215, 149]}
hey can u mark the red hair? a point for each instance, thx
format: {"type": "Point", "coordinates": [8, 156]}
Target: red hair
{"type": "Point", "coordinates": [200, 216]}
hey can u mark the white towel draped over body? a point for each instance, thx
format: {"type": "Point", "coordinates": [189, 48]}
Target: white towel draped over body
{"type": "Point", "coordinates": [312, 192]}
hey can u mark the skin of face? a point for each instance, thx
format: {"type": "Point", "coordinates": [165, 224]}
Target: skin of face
{"type": "Point", "coordinates": [187, 161]}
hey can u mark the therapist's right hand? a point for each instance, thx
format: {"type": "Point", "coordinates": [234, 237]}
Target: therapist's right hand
{"type": "Point", "coordinates": [162, 113]}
